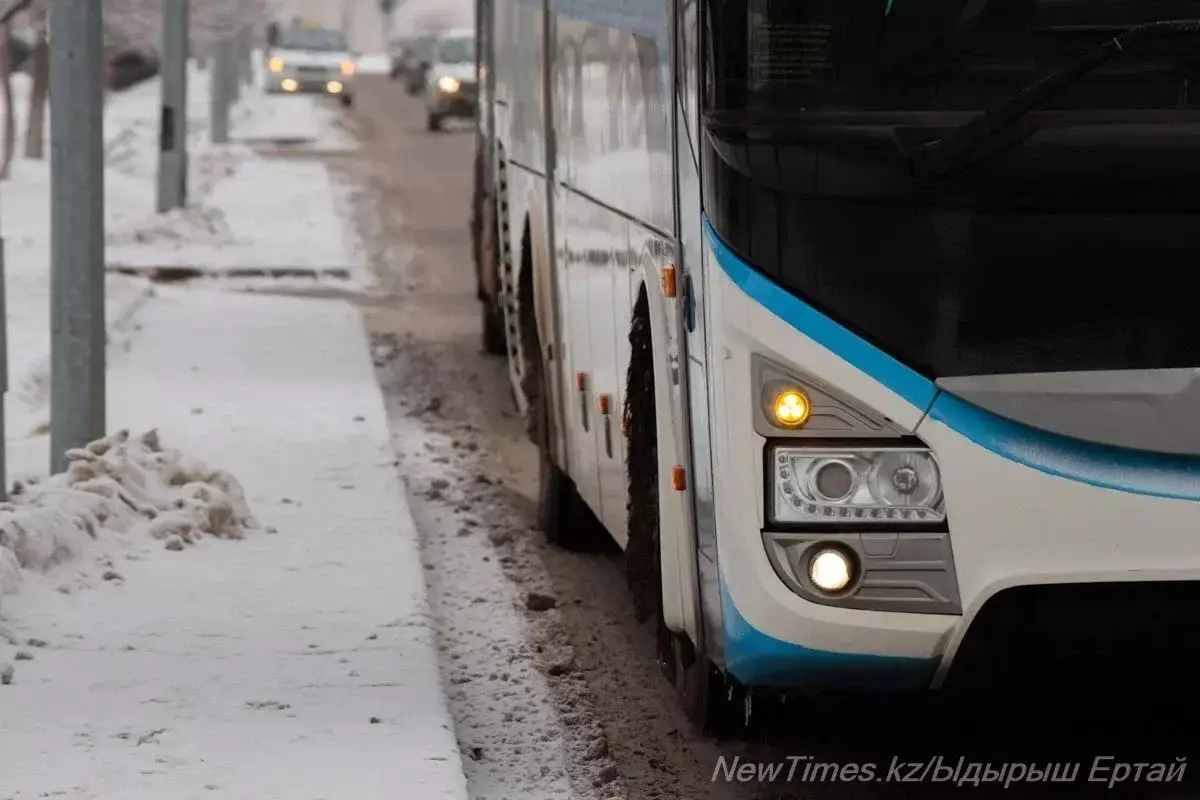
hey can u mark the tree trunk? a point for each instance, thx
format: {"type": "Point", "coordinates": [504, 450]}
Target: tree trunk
{"type": "Point", "coordinates": [35, 132]}
{"type": "Point", "coordinates": [10, 123]}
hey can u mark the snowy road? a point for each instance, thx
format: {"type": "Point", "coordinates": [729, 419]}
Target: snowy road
{"type": "Point", "coordinates": [567, 703]}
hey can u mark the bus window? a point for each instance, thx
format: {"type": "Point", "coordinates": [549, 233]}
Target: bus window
{"type": "Point", "coordinates": [806, 55]}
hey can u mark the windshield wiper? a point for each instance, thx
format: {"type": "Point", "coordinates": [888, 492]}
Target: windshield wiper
{"type": "Point", "coordinates": [967, 144]}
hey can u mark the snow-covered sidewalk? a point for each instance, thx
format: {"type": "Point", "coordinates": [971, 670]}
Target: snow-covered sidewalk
{"type": "Point", "coordinates": [298, 662]}
{"type": "Point", "coordinates": [244, 213]}
{"type": "Point", "coordinates": [247, 213]}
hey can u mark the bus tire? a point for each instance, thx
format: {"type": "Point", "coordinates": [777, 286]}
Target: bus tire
{"type": "Point", "coordinates": [495, 343]}
{"type": "Point", "coordinates": [433, 122]}
{"type": "Point", "coordinates": [703, 695]}
{"type": "Point", "coordinates": [495, 338]}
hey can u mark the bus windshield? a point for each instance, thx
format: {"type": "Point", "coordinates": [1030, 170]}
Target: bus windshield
{"type": "Point", "coordinates": [318, 39]}
{"type": "Point", "coordinates": [798, 56]}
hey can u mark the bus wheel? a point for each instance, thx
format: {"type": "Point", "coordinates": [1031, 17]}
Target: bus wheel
{"type": "Point", "coordinates": [702, 692]}
{"type": "Point", "coordinates": [495, 341]}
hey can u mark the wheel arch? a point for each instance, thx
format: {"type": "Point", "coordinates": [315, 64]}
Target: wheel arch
{"type": "Point", "coordinates": [680, 578]}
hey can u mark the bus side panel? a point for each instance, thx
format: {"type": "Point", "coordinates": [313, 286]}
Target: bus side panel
{"type": "Point", "coordinates": [484, 200]}
{"type": "Point", "coordinates": [520, 131]}
{"type": "Point", "coordinates": [575, 357]}
{"type": "Point", "coordinates": [608, 315]}
{"type": "Point", "coordinates": [691, 267]}
{"type": "Point", "coordinates": [611, 121]}
{"type": "Point", "coordinates": [519, 61]}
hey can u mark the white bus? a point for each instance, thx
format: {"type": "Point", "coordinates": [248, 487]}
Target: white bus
{"type": "Point", "coordinates": [875, 351]}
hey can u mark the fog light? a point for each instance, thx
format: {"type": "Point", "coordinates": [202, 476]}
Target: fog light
{"type": "Point", "coordinates": [334, 87]}
{"type": "Point", "coordinates": [792, 408]}
{"type": "Point", "coordinates": [830, 570]}
{"type": "Point", "coordinates": [288, 85]}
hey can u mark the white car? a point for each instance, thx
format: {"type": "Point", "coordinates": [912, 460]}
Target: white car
{"type": "Point", "coordinates": [452, 87]}
{"type": "Point", "coordinates": [312, 60]}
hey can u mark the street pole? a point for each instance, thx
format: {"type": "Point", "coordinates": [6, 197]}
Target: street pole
{"type": "Point", "coordinates": [3, 378]}
{"type": "Point", "coordinates": [77, 326]}
{"type": "Point", "coordinates": [218, 81]}
{"type": "Point", "coordinates": [173, 127]}
{"type": "Point", "coordinates": [246, 53]}
{"type": "Point", "coordinates": [231, 37]}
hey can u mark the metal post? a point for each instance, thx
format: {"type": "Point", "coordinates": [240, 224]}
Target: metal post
{"type": "Point", "coordinates": [3, 379]}
{"type": "Point", "coordinates": [77, 327]}
{"type": "Point", "coordinates": [246, 53]}
{"type": "Point", "coordinates": [173, 125]}
{"type": "Point", "coordinates": [219, 81]}
{"type": "Point", "coordinates": [235, 63]}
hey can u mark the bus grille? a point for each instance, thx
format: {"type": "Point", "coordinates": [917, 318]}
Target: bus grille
{"type": "Point", "coordinates": [1086, 638]}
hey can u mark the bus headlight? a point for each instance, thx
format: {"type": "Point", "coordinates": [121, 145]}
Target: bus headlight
{"type": "Point", "coordinates": [449, 85]}
{"type": "Point", "coordinates": [870, 486]}
{"type": "Point", "coordinates": [831, 569]}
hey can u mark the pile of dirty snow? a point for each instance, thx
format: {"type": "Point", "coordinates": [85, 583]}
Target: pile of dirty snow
{"type": "Point", "coordinates": [118, 486]}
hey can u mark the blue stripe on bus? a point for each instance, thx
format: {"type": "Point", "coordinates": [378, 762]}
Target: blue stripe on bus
{"type": "Point", "coordinates": [757, 659]}
{"type": "Point", "coordinates": [903, 380]}
{"type": "Point", "coordinates": [1105, 466]}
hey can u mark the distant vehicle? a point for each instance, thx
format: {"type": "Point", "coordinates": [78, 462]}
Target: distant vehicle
{"type": "Point", "coordinates": [312, 60]}
{"type": "Point", "coordinates": [452, 86]}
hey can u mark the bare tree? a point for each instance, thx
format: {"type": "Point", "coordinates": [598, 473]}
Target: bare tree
{"type": "Point", "coordinates": [35, 129]}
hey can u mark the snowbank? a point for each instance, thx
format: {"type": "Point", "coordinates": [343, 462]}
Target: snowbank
{"type": "Point", "coordinates": [117, 486]}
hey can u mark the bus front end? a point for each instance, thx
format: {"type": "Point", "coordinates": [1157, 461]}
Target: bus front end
{"type": "Point", "coordinates": [953, 339]}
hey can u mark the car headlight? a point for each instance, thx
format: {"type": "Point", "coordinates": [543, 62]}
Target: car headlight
{"type": "Point", "coordinates": [858, 485]}
{"type": "Point", "coordinates": [276, 65]}
{"type": "Point", "coordinates": [449, 85]}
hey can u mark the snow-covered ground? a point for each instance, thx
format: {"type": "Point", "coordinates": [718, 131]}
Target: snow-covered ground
{"type": "Point", "coordinates": [311, 123]}
{"type": "Point", "coordinates": [297, 662]}
{"type": "Point", "coordinates": [247, 212]}
{"type": "Point", "coordinates": [229, 601]}
{"type": "Point", "coordinates": [375, 64]}
{"type": "Point", "coordinates": [243, 212]}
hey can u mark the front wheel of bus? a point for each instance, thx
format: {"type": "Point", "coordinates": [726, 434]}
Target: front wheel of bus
{"type": "Point", "coordinates": [702, 692]}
